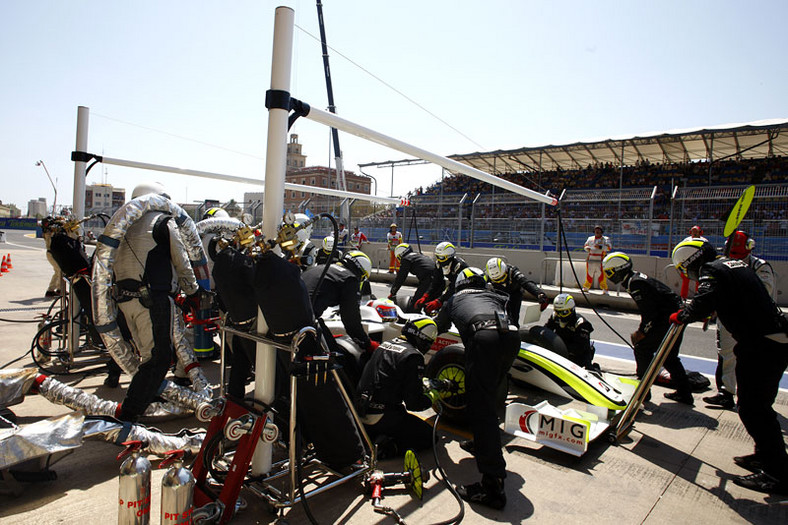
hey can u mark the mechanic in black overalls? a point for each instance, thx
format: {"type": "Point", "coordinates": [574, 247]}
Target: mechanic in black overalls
{"type": "Point", "coordinates": [746, 309]}
{"type": "Point", "coordinates": [419, 265]}
{"type": "Point", "coordinates": [449, 266]}
{"type": "Point", "coordinates": [322, 256]}
{"type": "Point", "coordinates": [342, 287]}
{"type": "Point", "coordinates": [391, 384]}
{"type": "Point", "coordinates": [233, 275]}
{"type": "Point", "coordinates": [656, 302]}
{"type": "Point", "coordinates": [69, 254]}
{"type": "Point", "coordinates": [574, 331]}
{"type": "Point", "coordinates": [509, 279]}
{"type": "Point", "coordinates": [491, 345]}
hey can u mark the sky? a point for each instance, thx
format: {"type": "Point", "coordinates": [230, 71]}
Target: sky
{"type": "Point", "coordinates": [182, 83]}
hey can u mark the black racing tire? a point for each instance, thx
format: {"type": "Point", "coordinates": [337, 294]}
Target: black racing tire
{"type": "Point", "coordinates": [449, 363]}
{"type": "Point", "coordinates": [546, 338]}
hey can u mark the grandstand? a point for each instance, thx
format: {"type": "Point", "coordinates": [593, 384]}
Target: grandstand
{"type": "Point", "coordinates": [646, 190]}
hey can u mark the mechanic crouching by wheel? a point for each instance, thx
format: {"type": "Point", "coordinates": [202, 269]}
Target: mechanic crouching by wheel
{"type": "Point", "coordinates": [574, 331]}
{"type": "Point", "coordinates": [491, 345]}
{"type": "Point", "coordinates": [391, 384]}
{"type": "Point", "coordinates": [419, 265]}
{"type": "Point", "coordinates": [151, 265]}
{"type": "Point", "coordinates": [746, 309]}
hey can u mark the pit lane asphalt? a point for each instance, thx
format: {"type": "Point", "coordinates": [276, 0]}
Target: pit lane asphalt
{"type": "Point", "coordinates": [676, 466]}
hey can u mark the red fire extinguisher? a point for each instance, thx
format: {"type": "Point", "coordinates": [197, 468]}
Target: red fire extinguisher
{"type": "Point", "coordinates": [134, 486]}
{"type": "Point", "coordinates": [177, 491]}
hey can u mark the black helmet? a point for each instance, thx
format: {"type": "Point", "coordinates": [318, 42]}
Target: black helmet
{"type": "Point", "coordinates": [421, 333]}
{"type": "Point", "coordinates": [617, 266]}
{"type": "Point", "coordinates": [470, 277]}
{"type": "Point", "coordinates": [689, 256]}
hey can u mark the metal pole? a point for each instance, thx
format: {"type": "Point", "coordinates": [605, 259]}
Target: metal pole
{"type": "Point", "coordinates": [273, 207]}
{"type": "Point", "coordinates": [54, 186]}
{"type": "Point", "coordinates": [244, 180]}
{"type": "Point", "coordinates": [347, 126]}
{"type": "Point", "coordinates": [620, 182]}
{"type": "Point", "coordinates": [672, 211]}
{"type": "Point", "coordinates": [459, 220]}
{"type": "Point", "coordinates": [650, 220]}
{"type": "Point", "coordinates": [78, 207]}
{"type": "Point", "coordinates": [472, 230]}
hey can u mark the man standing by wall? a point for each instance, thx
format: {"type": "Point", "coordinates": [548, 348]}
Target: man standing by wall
{"type": "Point", "coordinates": [393, 239]}
{"type": "Point", "coordinates": [597, 246]}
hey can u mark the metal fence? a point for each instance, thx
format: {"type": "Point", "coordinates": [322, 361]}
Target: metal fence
{"type": "Point", "coordinates": [640, 220]}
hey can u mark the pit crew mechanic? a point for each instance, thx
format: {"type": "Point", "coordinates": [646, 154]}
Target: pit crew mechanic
{"type": "Point", "coordinates": [656, 301]}
{"type": "Point", "coordinates": [150, 267]}
{"type": "Point", "coordinates": [422, 267]}
{"type": "Point", "coordinates": [761, 333]}
{"type": "Point", "coordinates": [341, 287]}
{"type": "Point", "coordinates": [491, 345]}
{"type": "Point", "coordinates": [574, 330]}
{"type": "Point", "coordinates": [391, 384]}
{"type": "Point", "coordinates": [509, 279]}
{"type": "Point", "coordinates": [448, 267]}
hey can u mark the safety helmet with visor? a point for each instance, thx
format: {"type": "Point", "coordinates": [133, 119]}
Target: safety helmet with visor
{"type": "Point", "coordinates": [401, 250]}
{"type": "Point", "coordinates": [739, 245]}
{"type": "Point", "coordinates": [688, 256]}
{"type": "Point", "coordinates": [444, 251]}
{"type": "Point", "coordinates": [149, 187]}
{"type": "Point", "coordinates": [215, 213]}
{"type": "Point", "coordinates": [563, 308]}
{"type": "Point", "coordinates": [470, 277]}
{"type": "Point", "coordinates": [420, 332]}
{"type": "Point", "coordinates": [359, 263]}
{"type": "Point", "coordinates": [496, 270]}
{"type": "Point", "coordinates": [617, 267]}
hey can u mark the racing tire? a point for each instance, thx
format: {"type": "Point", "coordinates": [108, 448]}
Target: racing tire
{"type": "Point", "coordinates": [449, 363]}
{"type": "Point", "coordinates": [546, 338]}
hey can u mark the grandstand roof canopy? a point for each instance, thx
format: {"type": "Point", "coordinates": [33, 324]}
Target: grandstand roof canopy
{"type": "Point", "coordinates": [757, 139]}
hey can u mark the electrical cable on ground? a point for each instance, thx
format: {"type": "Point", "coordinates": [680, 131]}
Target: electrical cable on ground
{"type": "Point", "coordinates": [562, 236]}
{"type": "Point", "coordinates": [444, 478]}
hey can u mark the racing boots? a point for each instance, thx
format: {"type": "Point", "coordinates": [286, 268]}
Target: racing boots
{"type": "Point", "coordinates": [489, 492]}
{"type": "Point", "coordinates": [722, 399]}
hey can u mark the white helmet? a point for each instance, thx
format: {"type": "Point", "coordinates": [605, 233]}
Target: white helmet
{"type": "Point", "coordinates": [215, 213]}
{"type": "Point", "coordinates": [305, 233]}
{"type": "Point", "coordinates": [563, 307]}
{"type": "Point", "coordinates": [149, 187]}
{"type": "Point", "coordinates": [496, 270]}
{"type": "Point", "coordinates": [470, 277]}
{"type": "Point", "coordinates": [328, 243]}
{"type": "Point", "coordinates": [360, 261]}
{"type": "Point", "coordinates": [617, 267]}
{"type": "Point", "coordinates": [689, 256]}
{"type": "Point", "coordinates": [401, 250]}
{"type": "Point", "coordinates": [444, 251]}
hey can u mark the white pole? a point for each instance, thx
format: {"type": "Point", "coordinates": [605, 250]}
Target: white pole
{"type": "Point", "coordinates": [273, 207]}
{"type": "Point", "coordinates": [78, 207]}
{"type": "Point", "coordinates": [332, 120]}
{"type": "Point", "coordinates": [245, 180]}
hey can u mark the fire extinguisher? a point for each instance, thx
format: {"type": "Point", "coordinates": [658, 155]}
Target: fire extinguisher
{"type": "Point", "coordinates": [44, 341]}
{"type": "Point", "coordinates": [134, 486]}
{"type": "Point", "coordinates": [177, 491]}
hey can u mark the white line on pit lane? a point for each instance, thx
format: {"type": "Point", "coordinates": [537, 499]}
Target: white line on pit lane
{"type": "Point", "coordinates": [26, 247]}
